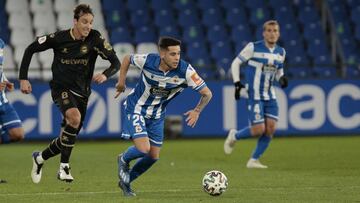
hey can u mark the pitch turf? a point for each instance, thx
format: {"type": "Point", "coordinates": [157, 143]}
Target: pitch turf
{"type": "Point", "coordinates": [311, 169]}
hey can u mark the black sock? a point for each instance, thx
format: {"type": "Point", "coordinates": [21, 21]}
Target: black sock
{"type": "Point", "coordinates": [53, 149]}
{"type": "Point", "coordinates": [67, 140]}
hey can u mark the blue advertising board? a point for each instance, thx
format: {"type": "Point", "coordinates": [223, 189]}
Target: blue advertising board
{"type": "Point", "coordinates": [306, 107]}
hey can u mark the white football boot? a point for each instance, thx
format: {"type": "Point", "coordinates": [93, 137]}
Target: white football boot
{"type": "Point", "coordinates": [230, 142]}
{"type": "Point", "coordinates": [255, 163]}
{"type": "Point", "coordinates": [36, 170]}
{"type": "Point", "coordinates": [64, 173]}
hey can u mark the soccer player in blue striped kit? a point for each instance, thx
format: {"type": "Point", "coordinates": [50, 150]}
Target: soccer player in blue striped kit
{"type": "Point", "coordinates": [163, 77]}
{"type": "Point", "coordinates": [11, 129]}
{"type": "Point", "coordinates": [265, 60]}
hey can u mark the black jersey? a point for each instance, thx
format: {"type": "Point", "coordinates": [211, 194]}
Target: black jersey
{"type": "Point", "coordinates": [74, 60]}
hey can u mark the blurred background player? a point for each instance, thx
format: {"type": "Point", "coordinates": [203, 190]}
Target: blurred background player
{"type": "Point", "coordinates": [10, 124]}
{"type": "Point", "coordinates": [163, 77]}
{"type": "Point", "coordinates": [75, 53]}
{"type": "Point", "coordinates": [265, 61]}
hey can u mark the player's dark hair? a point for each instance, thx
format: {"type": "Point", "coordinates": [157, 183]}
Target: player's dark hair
{"type": "Point", "coordinates": [82, 9]}
{"type": "Point", "coordinates": [165, 42]}
{"type": "Point", "coordinates": [270, 22]}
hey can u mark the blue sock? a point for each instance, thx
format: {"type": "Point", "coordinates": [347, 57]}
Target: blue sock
{"type": "Point", "coordinates": [261, 146]}
{"type": "Point", "coordinates": [243, 133]}
{"type": "Point", "coordinates": [5, 138]}
{"type": "Point", "coordinates": [141, 166]}
{"type": "Point", "coordinates": [132, 153]}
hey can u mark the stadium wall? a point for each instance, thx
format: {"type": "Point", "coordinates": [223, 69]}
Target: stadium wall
{"type": "Point", "coordinates": [306, 107]}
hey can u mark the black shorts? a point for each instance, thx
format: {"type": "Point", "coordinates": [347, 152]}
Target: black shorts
{"type": "Point", "coordinates": [65, 99]}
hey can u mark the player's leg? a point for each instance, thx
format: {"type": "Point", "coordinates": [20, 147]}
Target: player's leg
{"type": "Point", "coordinates": [257, 127]}
{"type": "Point", "coordinates": [140, 148]}
{"type": "Point", "coordinates": [155, 129]}
{"type": "Point", "coordinates": [67, 142]}
{"type": "Point", "coordinates": [270, 110]}
{"type": "Point", "coordinates": [133, 126]}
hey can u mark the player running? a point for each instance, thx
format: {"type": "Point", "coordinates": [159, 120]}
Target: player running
{"type": "Point", "coordinates": [163, 77]}
{"type": "Point", "coordinates": [264, 64]}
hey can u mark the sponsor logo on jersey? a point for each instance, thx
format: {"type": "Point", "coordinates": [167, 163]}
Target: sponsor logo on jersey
{"type": "Point", "coordinates": [74, 61]}
{"type": "Point", "coordinates": [269, 69]}
{"type": "Point", "coordinates": [160, 92]}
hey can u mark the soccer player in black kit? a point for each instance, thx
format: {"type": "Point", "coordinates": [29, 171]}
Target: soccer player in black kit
{"type": "Point", "coordinates": [75, 53]}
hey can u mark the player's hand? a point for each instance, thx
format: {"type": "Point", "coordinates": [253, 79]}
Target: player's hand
{"type": "Point", "coordinates": [99, 78]}
{"type": "Point", "coordinates": [192, 117]}
{"type": "Point", "coordinates": [9, 86]}
{"type": "Point", "coordinates": [25, 86]}
{"type": "Point", "coordinates": [120, 88]}
{"type": "Point", "coordinates": [2, 86]}
{"type": "Point", "coordinates": [238, 87]}
{"type": "Point", "coordinates": [283, 81]}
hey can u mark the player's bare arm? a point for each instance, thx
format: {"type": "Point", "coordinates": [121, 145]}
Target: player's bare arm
{"type": "Point", "coordinates": [120, 86]}
{"type": "Point", "coordinates": [193, 115]}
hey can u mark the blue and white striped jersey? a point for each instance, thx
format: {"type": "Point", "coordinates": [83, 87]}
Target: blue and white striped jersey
{"type": "Point", "coordinates": [3, 98]}
{"type": "Point", "coordinates": [263, 64]}
{"type": "Point", "coordinates": [156, 88]}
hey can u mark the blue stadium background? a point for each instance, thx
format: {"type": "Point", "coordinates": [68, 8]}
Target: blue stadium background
{"type": "Point", "coordinates": [321, 38]}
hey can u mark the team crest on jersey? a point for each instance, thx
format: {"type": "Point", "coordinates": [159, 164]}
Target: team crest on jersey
{"type": "Point", "coordinates": [52, 35]}
{"type": "Point", "coordinates": [175, 79]}
{"type": "Point", "coordinates": [107, 45]}
{"type": "Point", "coordinates": [138, 129]}
{"type": "Point", "coordinates": [257, 116]}
{"type": "Point", "coordinates": [41, 39]}
{"type": "Point", "coordinates": [84, 49]}
{"type": "Point", "coordinates": [196, 78]}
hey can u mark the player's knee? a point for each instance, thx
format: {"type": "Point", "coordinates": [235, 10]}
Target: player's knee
{"type": "Point", "coordinates": [73, 118]}
{"type": "Point", "coordinates": [154, 155]}
{"type": "Point", "coordinates": [17, 134]}
{"type": "Point", "coordinates": [270, 131]}
{"type": "Point", "coordinates": [257, 130]}
{"type": "Point", "coordinates": [144, 148]}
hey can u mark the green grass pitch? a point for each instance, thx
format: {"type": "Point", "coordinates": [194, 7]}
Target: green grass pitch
{"type": "Point", "coordinates": [307, 169]}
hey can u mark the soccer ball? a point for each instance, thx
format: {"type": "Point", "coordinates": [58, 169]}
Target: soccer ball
{"type": "Point", "coordinates": [214, 183]}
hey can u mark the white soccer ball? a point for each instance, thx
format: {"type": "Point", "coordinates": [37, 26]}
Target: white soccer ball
{"type": "Point", "coordinates": [214, 183]}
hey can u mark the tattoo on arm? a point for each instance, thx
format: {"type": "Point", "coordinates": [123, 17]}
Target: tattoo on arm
{"type": "Point", "coordinates": [204, 100]}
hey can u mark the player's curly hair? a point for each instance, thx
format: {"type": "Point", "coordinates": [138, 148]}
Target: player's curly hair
{"type": "Point", "coordinates": [82, 9]}
{"type": "Point", "coordinates": [165, 42]}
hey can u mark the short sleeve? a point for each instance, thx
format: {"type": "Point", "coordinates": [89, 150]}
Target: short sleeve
{"type": "Point", "coordinates": [193, 79]}
{"type": "Point", "coordinates": [138, 60]}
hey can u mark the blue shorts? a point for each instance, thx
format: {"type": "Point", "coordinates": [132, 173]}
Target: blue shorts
{"type": "Point", "coordinates": [261, 109]}
{"type": "Point", "coordinates": [136, 125]}
{"type": "Point", "coordinates": [8, 117]}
